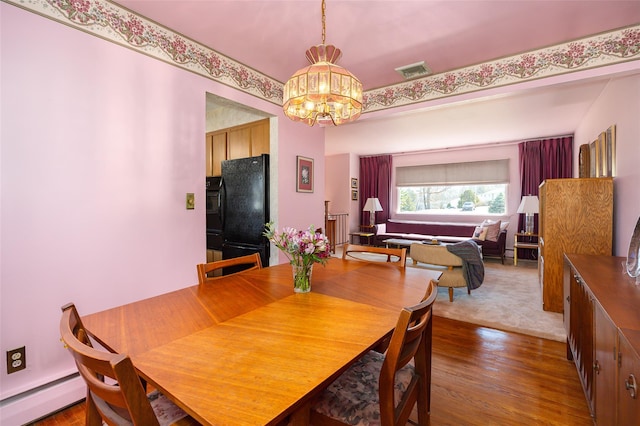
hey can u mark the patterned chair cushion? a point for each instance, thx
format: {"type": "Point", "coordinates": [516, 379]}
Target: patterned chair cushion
{"type": "Point", "coordinates": [354, 399]}
{"type": "Point", "coordinates": [166, 411]}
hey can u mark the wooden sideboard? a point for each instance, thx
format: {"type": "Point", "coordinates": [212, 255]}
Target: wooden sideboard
{"type": "Point", "coordinates": [576, 216]}
{"type": "Point", "coordinates": [602, 320]}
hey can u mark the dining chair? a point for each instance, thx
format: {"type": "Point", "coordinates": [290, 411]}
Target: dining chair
{"type": "Point", "coordinates": [115, 393]}
{"type": "Point", "coordinates": [207, 271]}
{"type": "Point", "coordinates": [384, 388]}
{"type": "Point", "coordinates": [396, 256]}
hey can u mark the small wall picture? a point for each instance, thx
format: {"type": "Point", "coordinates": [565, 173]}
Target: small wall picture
{"type": "Point", "coordinates": [584, 161]}
{"type": "Point", "coordinates": [601, 147]}
{"type": "Point", "coordinates": [593, 159]}
{"type": "Point", "coordinates": [610, 151]}
{"type": "Point", "coordinates": [304, 181]}
{"type": "Point", "coordinates": [354, 183]}
{"type": "Point", "coordinates": [354, 194]}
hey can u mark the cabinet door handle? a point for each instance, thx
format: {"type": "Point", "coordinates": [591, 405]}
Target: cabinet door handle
{"type": "Point", "coordinates": [596, 367]}
{"type": "Point", "coordinates": [630, 384]}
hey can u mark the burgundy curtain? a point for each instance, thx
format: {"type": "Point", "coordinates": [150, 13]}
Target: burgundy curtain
{"type": "Point", "coordinates": [543, 159]}
{"type": "Point", "coordinates": [375, 181]}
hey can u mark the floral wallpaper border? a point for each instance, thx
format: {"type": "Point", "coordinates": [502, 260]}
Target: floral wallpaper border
{"type": "Point", "coordinates": [592, 52]}
{"type": "Point", "coordinates": [119, 25]}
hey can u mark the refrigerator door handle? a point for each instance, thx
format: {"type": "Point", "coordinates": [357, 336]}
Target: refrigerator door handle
{"type": "Point", "coordinates": [222, 194]}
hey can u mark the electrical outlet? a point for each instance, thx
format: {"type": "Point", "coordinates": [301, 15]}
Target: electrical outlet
{"type": "Point", "coordinates": [16, 360]}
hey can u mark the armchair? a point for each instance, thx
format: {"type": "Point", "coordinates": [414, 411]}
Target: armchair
{"type": "Point", "coordinates": [438, 258]}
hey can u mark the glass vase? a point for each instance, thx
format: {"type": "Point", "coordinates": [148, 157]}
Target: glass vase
{"type": "Point", "coordinates": [302, 277]}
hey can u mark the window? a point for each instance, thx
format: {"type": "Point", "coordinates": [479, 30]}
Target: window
{"type": "Point", "coordinates": [453, 199]}
{"type": "Point", "coordinates": [460, 188]}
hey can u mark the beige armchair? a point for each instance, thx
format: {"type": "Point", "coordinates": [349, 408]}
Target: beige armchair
{"type": "Point", "coordinates": [438, 258]}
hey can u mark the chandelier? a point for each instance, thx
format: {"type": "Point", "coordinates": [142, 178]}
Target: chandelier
{"type": "Point", "coordinates": [323, 92]}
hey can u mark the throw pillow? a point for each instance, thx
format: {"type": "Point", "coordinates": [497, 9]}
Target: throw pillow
{"type": "Point", "coordinates": [493, 229]}
{"type": "Point", "coordinates": [480, 233]}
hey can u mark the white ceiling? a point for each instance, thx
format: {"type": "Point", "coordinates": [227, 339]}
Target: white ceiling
{"type": "Point", "coordinates": [377, 36]}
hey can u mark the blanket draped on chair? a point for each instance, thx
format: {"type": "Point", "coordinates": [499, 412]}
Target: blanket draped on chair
{"type": "Point", "coordinates": [472, 265]}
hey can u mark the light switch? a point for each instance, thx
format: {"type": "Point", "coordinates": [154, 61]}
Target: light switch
{"type": "Point", "coordinates": [191, 201]}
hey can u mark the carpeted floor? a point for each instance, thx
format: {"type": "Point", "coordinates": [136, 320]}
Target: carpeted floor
{"type": "Point", "coordinates": [509, 299]}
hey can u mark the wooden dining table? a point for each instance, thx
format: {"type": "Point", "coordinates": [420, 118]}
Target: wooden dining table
{"type": "Point", "coordinates": [246, 350]}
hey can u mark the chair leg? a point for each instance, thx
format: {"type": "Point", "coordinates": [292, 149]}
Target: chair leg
{"type": "Point", "coordinates": [468, 291]}
{"type": "Point", "coordinates": [450, 294]}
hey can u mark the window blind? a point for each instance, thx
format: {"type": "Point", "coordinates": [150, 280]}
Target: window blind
{"type": "Point", "coordinates": [475, 172]}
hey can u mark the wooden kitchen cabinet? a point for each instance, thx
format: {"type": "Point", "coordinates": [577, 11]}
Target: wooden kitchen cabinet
{"type": "Point", "coordinates": [576, 216]}
{"type": "Point", "coordinates": [216, 148]}
{"type": "Point", "coordinates": [247, 140]}
{"type": "Point", "coordinates": [260, 138]}
{"type": "Point", "coordinates": [239, 143]}
{"type": "Point", "coordinates": [602, 321]}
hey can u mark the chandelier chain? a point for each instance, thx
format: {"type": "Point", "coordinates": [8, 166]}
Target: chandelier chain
{"type": "Point", "coordinates": [323, 21]}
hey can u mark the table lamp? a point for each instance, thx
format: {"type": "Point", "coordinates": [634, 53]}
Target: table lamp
{"type": "Point", "coordinates": [529, 206]}
{"type": "Point", "coordinates": [372, 206]}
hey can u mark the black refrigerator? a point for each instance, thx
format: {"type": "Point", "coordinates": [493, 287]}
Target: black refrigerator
{"type": "Point", "coordinates": [244, 207]}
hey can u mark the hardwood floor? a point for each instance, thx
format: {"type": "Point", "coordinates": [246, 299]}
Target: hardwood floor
{"type": "Point", "coordinates": [483, 377]}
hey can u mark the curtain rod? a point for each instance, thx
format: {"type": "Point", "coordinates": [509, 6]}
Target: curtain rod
{"type": "Point", "coordinates": [459, 148]}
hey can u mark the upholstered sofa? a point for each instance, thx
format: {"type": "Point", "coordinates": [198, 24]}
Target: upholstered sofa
{"type": "Point", "coordinates": [446, 232]}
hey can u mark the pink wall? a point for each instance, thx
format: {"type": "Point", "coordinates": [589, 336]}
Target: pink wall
{"type": "Point", "coordinates": [619, 104]}
{"type": "Point", "coordinates": [340, 169]}
{"type": "Point", "coordinates": [300, 209]}
{"type": "Point", "coordinates": [99, 147]}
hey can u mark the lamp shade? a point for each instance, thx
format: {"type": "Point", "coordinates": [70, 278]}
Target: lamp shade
{"type": "Point", "coordinates": [323, 92]}
{"type": "Point", "coordinates": [372, 205]}
{"type": "Point", "coordinates": [529, 205]}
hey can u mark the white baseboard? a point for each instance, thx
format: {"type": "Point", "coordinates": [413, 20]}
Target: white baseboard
{"type": "Point", "coordinates": [33, 405]}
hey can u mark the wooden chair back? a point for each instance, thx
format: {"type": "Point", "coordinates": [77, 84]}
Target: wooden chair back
{"type": "Point", "coordinates": [396, 256]}
{"type": "Point", "coordinates": [122, 402]}
{"type": "Point", "coordinates": [236, 265]}
{"type": "Point", "coordinates": [411, 339]}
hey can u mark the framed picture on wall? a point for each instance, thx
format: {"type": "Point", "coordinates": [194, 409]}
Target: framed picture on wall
{"type": "Point", "coordinates": [304, 180]}
{"type": "Point", "coordinates": [610, 151]}
{"type": "Point", "coordinates": [601, 146]}
{"type": "Point", "coordinates": [354, 183]}
{"type": "Point", "coordinates": [593, 159]}
{"type": "Point", "coordinates": [583, 161]}
{"type": "Point", "coordinates": [354, 194]}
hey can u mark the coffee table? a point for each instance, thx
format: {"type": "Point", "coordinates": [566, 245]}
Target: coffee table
{"type": "Point", "coordinates": [399, 242]}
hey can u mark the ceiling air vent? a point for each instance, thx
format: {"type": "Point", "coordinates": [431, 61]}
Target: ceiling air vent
{"type": "Point", "coordinates": [414, 70]}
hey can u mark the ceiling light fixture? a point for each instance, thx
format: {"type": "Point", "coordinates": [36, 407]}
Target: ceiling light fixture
{"type": "Point", "coordinates": [323, 92]}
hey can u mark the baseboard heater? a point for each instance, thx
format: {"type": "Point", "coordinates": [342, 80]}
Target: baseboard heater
{"type": "Point", "coordinates": [39, 402]}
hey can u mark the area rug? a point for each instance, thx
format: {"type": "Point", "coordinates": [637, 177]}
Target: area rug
{"type": "Point", "coordinates": [509, 299]}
